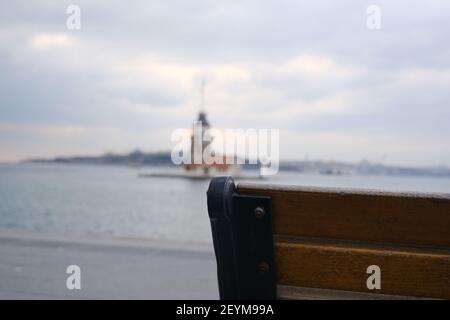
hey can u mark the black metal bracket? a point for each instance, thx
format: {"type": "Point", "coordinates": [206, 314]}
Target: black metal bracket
{"type": "Point", "coordinates": [243, 241]}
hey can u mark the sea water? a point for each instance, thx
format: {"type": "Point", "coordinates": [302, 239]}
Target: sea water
{"type": "Point", "coordinates": [89, 200]}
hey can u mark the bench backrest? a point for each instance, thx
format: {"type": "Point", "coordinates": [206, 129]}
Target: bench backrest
{"type": "Point", "coordinates": [276, 241]}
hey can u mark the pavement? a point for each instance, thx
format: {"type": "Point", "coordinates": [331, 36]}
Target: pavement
{"type": "Point", "coordinates": [33, 266]}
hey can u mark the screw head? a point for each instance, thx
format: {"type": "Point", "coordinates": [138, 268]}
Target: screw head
{"type": "Point", "coordinates": [259, 212]}
{"type": "Point", "coordinates": [263, 267]}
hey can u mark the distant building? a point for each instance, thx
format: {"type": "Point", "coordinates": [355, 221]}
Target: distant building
{"type": "Point", "coordinates": [197, 153]}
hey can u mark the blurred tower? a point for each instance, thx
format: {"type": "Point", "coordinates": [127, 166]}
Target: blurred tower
{"type": "Point", "coordinates": [197, 151]}
{"type": "Point", "coordinates": [198, 145]}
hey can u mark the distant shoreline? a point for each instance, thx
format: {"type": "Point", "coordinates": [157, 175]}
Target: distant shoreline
{"type": "Point", "coordinates": [163, 159]}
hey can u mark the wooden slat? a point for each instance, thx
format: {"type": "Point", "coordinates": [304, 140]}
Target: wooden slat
{"type": "Point", "coordinates": [407, 272]}
{"type": "Point", "coordinates": [304, 293]}
{"type": "Point", "coordinates": [405, 218]}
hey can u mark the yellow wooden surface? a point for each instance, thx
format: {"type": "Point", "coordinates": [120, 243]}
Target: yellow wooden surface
{"type": "Point", "coordinates": [326, 239]}
{"type": "Point", "coordinates": [422, 219]}
{"type": "Point", "coordinates": [421, 273]}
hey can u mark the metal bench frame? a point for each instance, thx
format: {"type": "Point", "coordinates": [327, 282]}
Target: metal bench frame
{"type": "Point", "coordinates": [243, 242]}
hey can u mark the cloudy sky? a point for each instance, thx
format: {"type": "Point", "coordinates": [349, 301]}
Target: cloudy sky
{"type": "Point", "coordinates": [131, 75]}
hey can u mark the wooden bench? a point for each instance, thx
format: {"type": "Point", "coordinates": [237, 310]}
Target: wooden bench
{"type": "Point", "coordinates": [298, 242]}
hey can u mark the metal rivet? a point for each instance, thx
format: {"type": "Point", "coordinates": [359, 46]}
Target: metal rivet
{"type": "Point", "coordinates": [259, 212]}
{"type": "Point", "coordinates": [263, 267]}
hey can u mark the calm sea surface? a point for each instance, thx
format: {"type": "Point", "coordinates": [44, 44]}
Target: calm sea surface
{"type": "Point", "coordinates": [113, 201]}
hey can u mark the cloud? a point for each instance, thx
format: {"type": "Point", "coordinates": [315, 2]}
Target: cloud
{"type": "Point", "coordinates": [313, 70]}
{"type": "Point", "coordinates": [45, 130]}
{"type": "Point", "coordinates": [48, 41]}
{"type": "Point", "coordinates": [316, 66]}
